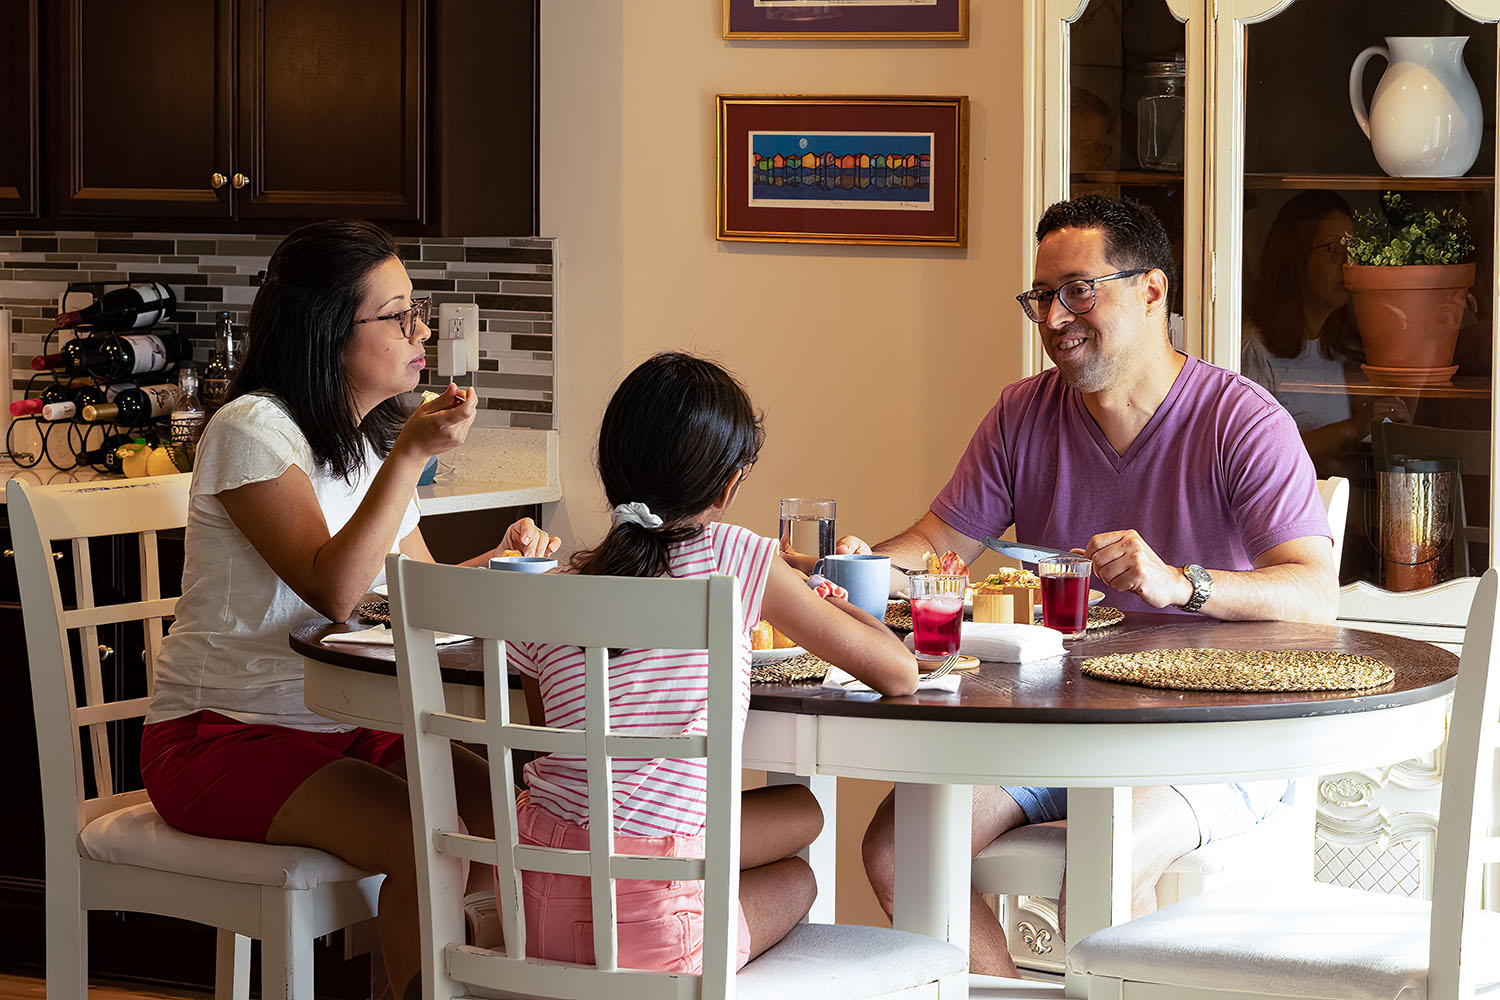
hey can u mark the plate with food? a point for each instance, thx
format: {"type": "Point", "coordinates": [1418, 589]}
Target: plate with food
{"type": "Point", "coordinates": [767, 644]}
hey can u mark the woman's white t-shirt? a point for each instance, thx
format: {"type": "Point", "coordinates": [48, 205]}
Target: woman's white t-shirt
{"type": "Point", "coordinates": [227, 650]}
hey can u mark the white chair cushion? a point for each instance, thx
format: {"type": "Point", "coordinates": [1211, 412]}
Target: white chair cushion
{"type": "Point", "coordinates": [1295, 939]}
{"type": "Point", "coordinates": [838, 961]}
{"type": "Point", "coordinates": [1026, 861]}
{"type": "Point", "coordinates": [138, 836]}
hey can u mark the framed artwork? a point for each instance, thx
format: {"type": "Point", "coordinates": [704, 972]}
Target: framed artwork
{"type": "Point", "coordinates": [928, 20]}
{"type": "Point", "coordinates": [891, 170]}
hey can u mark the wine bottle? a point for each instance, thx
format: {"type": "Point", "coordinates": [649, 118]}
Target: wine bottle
{"type": "Point", "coordinates": [135, 406]}
{"type": "Point", "coordinates": [86, 395]}
{"type": "Point", "coordinates": [131, 307]}
{"type": "Point", "coordinates": [71, 357]}
{"type": "Point", "coordinates": [138, 354]}
{"type": "Point", "coordinates": [219, 374]}
{"type": "Point", "coordinates": [107, 455]}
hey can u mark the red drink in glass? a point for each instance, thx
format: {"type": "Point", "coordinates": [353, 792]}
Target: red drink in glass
{"type": "Point", "coordinates": [935, 623]}
{"type": "Point", "coordinates": [1065, 603]}
{"type": "Point", "coordinates": [1065, 594]}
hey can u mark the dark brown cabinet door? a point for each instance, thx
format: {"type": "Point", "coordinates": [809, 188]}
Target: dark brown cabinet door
{"type": "Point", "coordinates": [144, 108]}
{"type": "Point", "coordinates": [18, 107]}
{"type": "Point", "coordinates": [332, 109]}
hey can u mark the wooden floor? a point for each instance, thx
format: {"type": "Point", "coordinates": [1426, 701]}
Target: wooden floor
{"type": "Point", "coordinates": [21, 988]}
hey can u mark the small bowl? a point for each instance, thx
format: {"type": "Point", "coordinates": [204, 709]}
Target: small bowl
{"type": "Point", "coordinates": [524, 564]}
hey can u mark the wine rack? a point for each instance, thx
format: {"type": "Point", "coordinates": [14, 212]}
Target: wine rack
{"type": "Point", "coordinates": [67, 444]}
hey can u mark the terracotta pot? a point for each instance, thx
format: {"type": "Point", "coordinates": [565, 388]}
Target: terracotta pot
{"type": "Point", "coordinates": [1409, 316]}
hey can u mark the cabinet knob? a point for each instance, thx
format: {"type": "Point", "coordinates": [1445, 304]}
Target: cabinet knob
{"type": "Point", "coordinates": [240, 180]}
{"type": "Point", "coordinates": [11, 554]}
{"type": "Point", "coordinates": [217, 180]}
{"type": "Point", "coordinates": [105, 652]}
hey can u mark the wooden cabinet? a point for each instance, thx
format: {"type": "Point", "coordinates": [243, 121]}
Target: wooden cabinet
{"type": "Point", "coordinates": [256, 115]}
{"type": "Point", "coordinates": [18, 107]}
{"type": "Point", "coordinates": [241, 109]}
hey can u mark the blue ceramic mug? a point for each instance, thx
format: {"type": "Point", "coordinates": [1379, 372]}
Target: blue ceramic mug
{"type": "Point", "coordinates": [866, 577]}
{"type": "Point", "coordinates": [524, 564]}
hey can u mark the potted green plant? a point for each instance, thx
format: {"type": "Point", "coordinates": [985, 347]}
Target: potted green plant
{"type": "Point", "coordinates": [1409, 271]}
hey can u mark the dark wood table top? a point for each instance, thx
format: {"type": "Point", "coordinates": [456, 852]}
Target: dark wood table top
{"type": "Point", "coordinates": [1054, 690]}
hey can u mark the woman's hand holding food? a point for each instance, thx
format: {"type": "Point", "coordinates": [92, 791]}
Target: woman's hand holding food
{"type": "Point", "coordinates": [440, 424]}
{"type": "Point", "coordinates": [525, 538]}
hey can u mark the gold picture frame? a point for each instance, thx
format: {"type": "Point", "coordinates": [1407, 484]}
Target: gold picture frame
{"type": "Point", "coordinates": [843, 169]}
{"type": "Point", "coordinates": [846, 20]}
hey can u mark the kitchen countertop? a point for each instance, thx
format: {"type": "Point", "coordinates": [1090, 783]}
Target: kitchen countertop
{"type": "Point", "coordinates": [496, 467]}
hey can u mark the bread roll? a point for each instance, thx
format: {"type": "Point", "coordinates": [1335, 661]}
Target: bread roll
{"type": "Point", "coordinates": [762, 635]}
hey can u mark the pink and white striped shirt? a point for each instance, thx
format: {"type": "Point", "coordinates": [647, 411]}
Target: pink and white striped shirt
{"type": "Point", "coordinates": [653, 692]}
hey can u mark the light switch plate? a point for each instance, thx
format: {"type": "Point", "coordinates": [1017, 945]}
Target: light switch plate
{"type": "Point", "coordinates": [460, 320]}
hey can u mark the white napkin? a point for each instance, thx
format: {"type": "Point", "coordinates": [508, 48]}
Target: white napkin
{"type": "Point", "coordinates": [844, 681]}
{"type": "Point", "coordinates": [1000, 642]}
{"type": "Point", "coordinates": [382, 636]}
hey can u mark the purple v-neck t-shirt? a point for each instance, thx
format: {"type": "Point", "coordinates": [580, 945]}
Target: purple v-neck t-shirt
{"type": "Point", "coordinates": [1217, 476]}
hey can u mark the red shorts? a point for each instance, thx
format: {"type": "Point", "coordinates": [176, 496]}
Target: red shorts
{"type": "Point", "coordinates": [659, 924]}
{"type": "Point", "coordinates": [210, 775]}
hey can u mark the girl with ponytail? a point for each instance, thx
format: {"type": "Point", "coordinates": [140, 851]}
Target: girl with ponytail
{"type": "Point", "coordinates": [678, 438]}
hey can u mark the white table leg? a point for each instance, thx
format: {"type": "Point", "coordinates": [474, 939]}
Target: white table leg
{"type": "Point", "coordinates": [821, 856]}
{"type": "Point", "coordinates": [934, 834]}
{"type": "Point", "coordinates": [1099, 865]}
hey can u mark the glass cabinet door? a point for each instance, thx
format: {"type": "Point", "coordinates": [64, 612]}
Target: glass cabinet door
{"type": "Point", "coordinates": [1361, 355]}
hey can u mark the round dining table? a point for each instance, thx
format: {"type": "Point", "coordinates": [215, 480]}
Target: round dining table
{"type": "Point", "coordinates": [1039, 723]}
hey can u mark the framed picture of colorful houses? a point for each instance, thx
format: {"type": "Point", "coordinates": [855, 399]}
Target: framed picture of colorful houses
{"type": "Point", "coordinates": [885, 170]}
{"type": "Point", "coordinates": [926, 20]}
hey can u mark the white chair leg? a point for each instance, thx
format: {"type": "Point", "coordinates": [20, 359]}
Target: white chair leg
{"type": "Point", "coordinates": [286, 951]}
{"type": "Point", "coordinates": [232, 966]}
{"type": "Point", "coordinates": [67, 941]}
{"type": "Point", "coordinates": [821, 855]}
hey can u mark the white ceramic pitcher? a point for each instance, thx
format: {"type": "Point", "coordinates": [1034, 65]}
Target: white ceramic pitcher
{"type": "Point", "coordinates": [1425, 119]}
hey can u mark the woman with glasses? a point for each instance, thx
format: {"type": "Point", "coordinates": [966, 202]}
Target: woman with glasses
{"type": "Point", "coordinates": [303, 482]}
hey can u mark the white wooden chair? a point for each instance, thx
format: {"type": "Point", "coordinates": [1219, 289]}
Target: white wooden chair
{"type": "Point", "coordinates": [597, 613]}
{"type": "Point", "coordinates": [1314, 940]}
{"type": "Point", "coordinates": [110, 850]}
{"type": "Point", "coordinates": [1029, 860]}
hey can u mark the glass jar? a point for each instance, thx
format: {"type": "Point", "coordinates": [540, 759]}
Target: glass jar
{"type": "Point", "coordinates": [1161, 116]}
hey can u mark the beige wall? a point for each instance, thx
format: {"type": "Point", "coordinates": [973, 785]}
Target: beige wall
{"type": "Point", "coordinates": [873, 365]}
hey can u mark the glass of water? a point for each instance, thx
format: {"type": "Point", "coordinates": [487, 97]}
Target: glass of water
{"type": "Point", "coordinates": [807, 526]}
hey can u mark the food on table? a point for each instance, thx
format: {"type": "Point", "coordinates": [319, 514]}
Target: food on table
{"type": "Point", "coordinates": [948, 564]}
{"type": "Point", "coordinates": [766, 636]}
{"type": "Point", "coordinates": [510, 553]}
{"type": "Point", "coordinates": [1007, 595]}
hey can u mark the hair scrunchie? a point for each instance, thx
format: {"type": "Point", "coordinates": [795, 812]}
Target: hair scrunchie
{"type": "Point", "coordinates": [635, 513]}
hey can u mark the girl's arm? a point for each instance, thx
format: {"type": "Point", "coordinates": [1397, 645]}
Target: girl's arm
{"type": "Point", "coordinates": [332, 573]}
{"type": "Point", "coordinates": [838, 632]}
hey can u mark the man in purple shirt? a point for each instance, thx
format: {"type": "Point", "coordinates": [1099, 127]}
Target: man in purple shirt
{"type": "Point", "coordinates": [1187, 485]}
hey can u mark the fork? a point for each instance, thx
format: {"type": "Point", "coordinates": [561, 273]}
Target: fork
{"type": "Point", "coordinates": [943, 669]}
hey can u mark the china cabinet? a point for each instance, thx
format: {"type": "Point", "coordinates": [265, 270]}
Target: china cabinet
{"type": "Point", "coordinates": [1235, 120]}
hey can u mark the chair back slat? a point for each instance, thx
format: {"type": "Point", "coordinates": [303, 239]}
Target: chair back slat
{"type": "Point", "coordinates": [595, 614]}
{"type": "Point", "coordinates": [93, 681]}
{"type": "Point", "coordinates": [66, 707]}
{"type": "Point", "coordinates": [601, 804]}
{"type": "Point", "coordinates": [1467, 816]}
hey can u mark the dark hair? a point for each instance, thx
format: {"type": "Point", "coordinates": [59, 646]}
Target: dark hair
{"type": "Point", "coordinates": [672, 437]}
{"type": "Point", "coordinates": [1276, 297]}
{"type": "Point", "coordinates": [1133, 236]}
{"type": "Point", "coordinates": [302, 319]}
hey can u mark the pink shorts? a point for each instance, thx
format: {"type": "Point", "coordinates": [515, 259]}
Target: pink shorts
{"type": "Point", "coordinates": [214, 776]}
{"type": "Point", "coordinates": [660, 924]}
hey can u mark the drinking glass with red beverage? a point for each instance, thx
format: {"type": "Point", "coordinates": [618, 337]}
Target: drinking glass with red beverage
{"type": "Point", "coordinates": [937, 612]}
{"type": "Point", "coordinates": [1065, 594]}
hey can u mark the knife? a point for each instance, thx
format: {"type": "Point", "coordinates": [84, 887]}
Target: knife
{"type": "Point", "coordinates": [1026, 553]}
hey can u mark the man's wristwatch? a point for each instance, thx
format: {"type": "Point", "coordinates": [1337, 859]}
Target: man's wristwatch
{"type": "Point", "coordinates": [1203, 585]}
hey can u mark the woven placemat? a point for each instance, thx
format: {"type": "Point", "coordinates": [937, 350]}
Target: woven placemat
{"type": "Point", "coordinates": [898, 615]}
{"type": "Point", "coordinates": [375, 611]}
{"type": "Point", "coordinates": [1241, 670]}
{"type": "Point", "coordinates": [1102, 617]}
{"type": "Point", "coordinates": [804, 668]}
